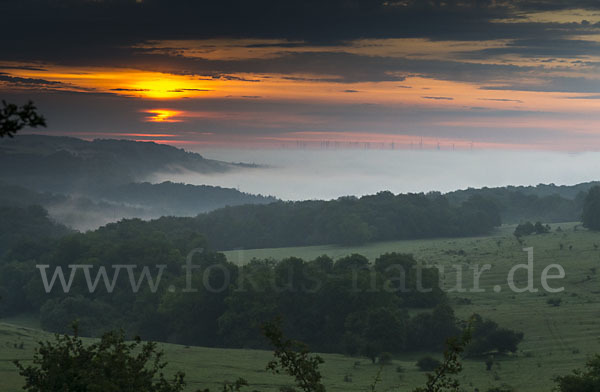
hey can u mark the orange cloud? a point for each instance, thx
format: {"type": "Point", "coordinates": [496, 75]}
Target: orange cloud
{"type": "Point", "coordinates": [121, 81]}
{"type": "Point", "coordinates": [303, 87]}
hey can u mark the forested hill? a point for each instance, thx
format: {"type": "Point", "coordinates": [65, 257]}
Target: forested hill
{"type": "Point", "coordinates": [182, 199]}
{"type": "Point", "coordinates": [85, 185]}
{"type": "Point", "coordinates": [383, 217]}
{"type": "Point", "coordinates": [23, 229]}
{"type": "Point", "coordinates": [347, 220]}
{"type": "Point", "coordinates": [544, 202]}
{"type": "Point", "coordinates": [135, 200]}
{"type": "Point", "coordinates": [65, 164]}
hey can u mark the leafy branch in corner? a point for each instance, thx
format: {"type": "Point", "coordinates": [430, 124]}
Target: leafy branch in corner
{"type": "Point", "coordinates": [14, 118]}
{"type": "Point", "coordinates": [294, 358]}
{"type": "Point", "coordinates": [442, 379]}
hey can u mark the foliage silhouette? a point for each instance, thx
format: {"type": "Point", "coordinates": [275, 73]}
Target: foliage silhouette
{"type": "Point", "coordinates": [67, 364]}
{"type": "Point", "coordinates": [443, 378]}
{"type": "Point", "coordinates": [587, 380]}
{"type": "Point", "coordinates": [294, 358]}
{"type": "Point", "coordinates": [13, 118]}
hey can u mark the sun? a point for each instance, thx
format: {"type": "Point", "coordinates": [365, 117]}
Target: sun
{"type": "Point", "coordinates": [163, 115]}
{"type": "Point", "coordinates": [169, 87]}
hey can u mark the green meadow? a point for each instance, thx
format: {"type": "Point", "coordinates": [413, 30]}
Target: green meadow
{"type": "Point", "coordinates": [557, 340]}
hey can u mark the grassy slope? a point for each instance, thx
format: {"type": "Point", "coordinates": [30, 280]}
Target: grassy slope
{"type": "Point", "coordinates": [557, 339]}
{"type": "Point", "coordinates": [205, 367]}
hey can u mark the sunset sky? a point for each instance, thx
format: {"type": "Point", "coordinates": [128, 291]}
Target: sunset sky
{"type": "Point", "coordinates": [336, 74]}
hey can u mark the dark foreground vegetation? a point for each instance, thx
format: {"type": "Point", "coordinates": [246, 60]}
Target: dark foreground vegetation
{"type": "Point", "coordinates": [112, 364]}
{"type": "Point", "coordinates": [68, 363]}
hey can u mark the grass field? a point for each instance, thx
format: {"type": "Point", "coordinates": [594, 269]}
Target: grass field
{"type": "Point", "coordinates": [557, 339]}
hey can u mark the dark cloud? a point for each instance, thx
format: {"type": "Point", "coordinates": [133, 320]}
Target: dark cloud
{"type": "Point", "coordinates": [440, 98]}
{"type": "Point", "coordinates": [541, 47]}
{"type": "Point", "coordinates": [556, 5]}
{"type": "Point", "coordinates": [23, 67]}
{"type": "Point", "coordinates": [181, 90]}
{"type": "Point", "coordinates": [558, 84]}
{"type": "Point", "coordinates": [30, 82]}
{"type": "Point", "coordinates": [129, 89]}
{"type": "Point", "coordinates": [586, 97]}
{"type": "Point", "coordinates": [56, 30]}
{"type": "Point", "coordinates": [112, 33]}
{"type": "Point", "coordinates": [337, 66]}
{"type": "Point", "coordinates": [232, 77]}
{"type": "Point", "coordinates": [501, 100]}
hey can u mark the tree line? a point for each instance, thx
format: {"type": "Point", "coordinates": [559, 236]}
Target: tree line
{"type": "Point", "coordinates": [546, 203]}
{"type": "Point", "coordinates": [344, 221]}
{"type": "Point", "coordinates": [347, 305]}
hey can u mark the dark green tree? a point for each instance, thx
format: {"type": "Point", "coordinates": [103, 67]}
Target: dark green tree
{"type": "Point", "coordinates": [587, 380]}
{"type": "Point", "coordinates": [591, 209]}
{"type": "Point", "coordinates": [522, 229]}
{"type": "Point", "coordinates": [540, 228]}
{"type": "Point", "coordinates": [13, 118]}
{"type": "Point", "coordinates": [488, 337]}
{"type": "Point", "coordinates": [111, 364]}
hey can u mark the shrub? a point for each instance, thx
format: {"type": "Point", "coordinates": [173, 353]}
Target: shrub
{"type": "Point", "coordinates": [385, 358]}
{"type": "Point", "coordinates": [489, 337]}
{"type": "Point", "coordinates": [67, 364]}
{"type": "Point", "coordinates": [504, 388]}
{"type": "Point", "coordinates": [554, 301]}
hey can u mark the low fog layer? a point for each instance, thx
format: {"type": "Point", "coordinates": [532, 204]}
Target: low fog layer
{"type": "Point", "coordinates": [326, 174]}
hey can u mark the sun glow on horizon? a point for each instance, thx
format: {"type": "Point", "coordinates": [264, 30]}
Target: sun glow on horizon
{"type": "Point", "coordinates": [127, 82]}
{"type": "Point", "coordinates": [417, 91]}
{"type": "Point", "coordinates": [163, 115]}
{"type": "Point", "coordinates": [168, 88]}
{"type": "Point", "coordinates": [270, 107]}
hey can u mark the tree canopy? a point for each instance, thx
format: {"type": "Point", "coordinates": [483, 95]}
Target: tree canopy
{"type": "Point", "coordinates": [111, 364]}
{"type": "Point", "coordinates": [586, 380]}
{"type": "Point", "coordinates": [591, 209]}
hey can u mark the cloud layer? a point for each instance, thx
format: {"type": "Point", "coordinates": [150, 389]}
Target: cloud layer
{"type": "Point", "coordinates": [508, 72]}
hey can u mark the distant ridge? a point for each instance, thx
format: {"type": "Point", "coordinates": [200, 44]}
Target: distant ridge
{"type": "Point", "coordinates": [65, 164]}
{"type": "Point", "coordinates": [87, 184]}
